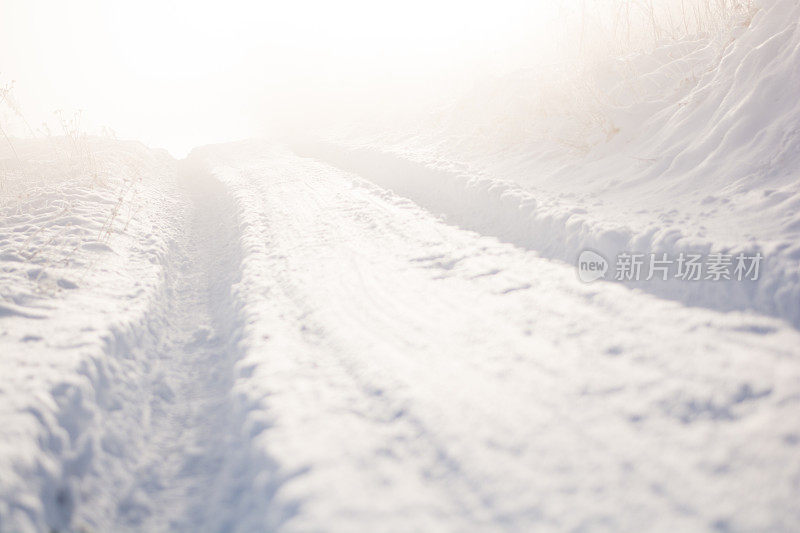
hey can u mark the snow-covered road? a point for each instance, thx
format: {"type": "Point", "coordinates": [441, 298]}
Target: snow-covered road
{"type": "Point", "coordinates": [321, 354]}
{"type": "Point", "coordinates": [404, 374]}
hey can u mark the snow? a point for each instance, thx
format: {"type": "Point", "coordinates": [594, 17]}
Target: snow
{"type": "Point", "coordinates": [411, 375]}
{"type": "Point", "coordinates": [691, 148]}
{"type": "Point", "coordinates": [77, 272]}
{"type": "Point", "coordinates": [386, 332]}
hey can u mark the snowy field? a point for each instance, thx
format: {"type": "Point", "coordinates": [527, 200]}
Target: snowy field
{"type": "Point", "coordinates": [386, 329]}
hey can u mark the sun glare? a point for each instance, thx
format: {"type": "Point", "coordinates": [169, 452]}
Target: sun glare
{"type": "Point", "coordinates": [189, 72]}
{"type": "Point", "coordinates": [184, 39]}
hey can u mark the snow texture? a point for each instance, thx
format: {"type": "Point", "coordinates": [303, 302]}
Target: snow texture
{"type": "Point", "coordinates": [389, 334]}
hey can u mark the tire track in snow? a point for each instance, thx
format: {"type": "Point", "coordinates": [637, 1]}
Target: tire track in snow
{"type": "Point", "coordinates": [367, 305]}
{"type": "Point", "coordinates": [308, 356]}
{"type": "Point", "coordinates": [430, 379]}
{"type": "Point", "coordinates": [172, 449]}
{"type": "Point", "coordinates": [190, 423]}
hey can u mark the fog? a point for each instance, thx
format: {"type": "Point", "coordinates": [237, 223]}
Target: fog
{"type": "Point", "coordinates": [178, 73]}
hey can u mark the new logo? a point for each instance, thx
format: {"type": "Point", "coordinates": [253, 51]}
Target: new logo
{"type": "Point", "coordinates": [591, 266]}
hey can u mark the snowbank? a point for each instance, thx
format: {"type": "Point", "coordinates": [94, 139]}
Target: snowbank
{"type": "Point", "coordinates": [692, 148]}
{"type": "Point", "coordinates": [84, 233]}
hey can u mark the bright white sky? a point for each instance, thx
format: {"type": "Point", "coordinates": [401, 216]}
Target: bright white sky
{"type": "Point", "coordinates": [178, 73]}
